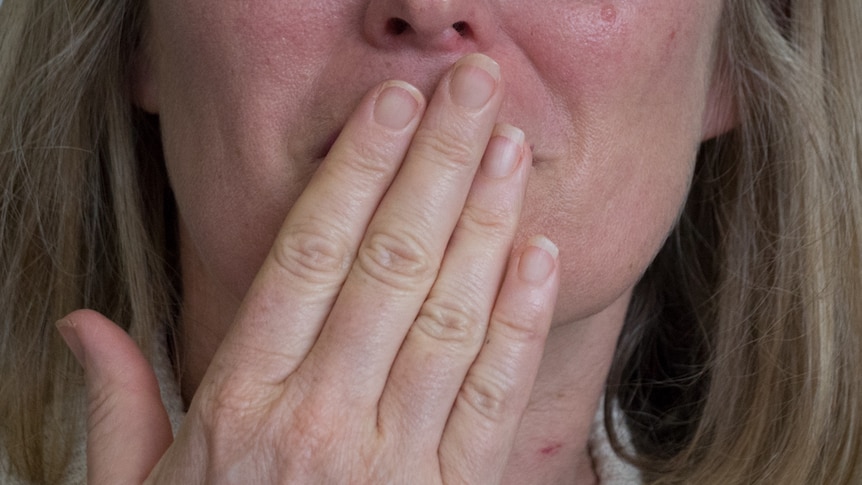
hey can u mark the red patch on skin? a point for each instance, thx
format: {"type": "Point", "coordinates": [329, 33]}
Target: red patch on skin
{"type": "Point", "coordinates": [609, 13]}
{"type": "Point", "coordinates": [551, 450]}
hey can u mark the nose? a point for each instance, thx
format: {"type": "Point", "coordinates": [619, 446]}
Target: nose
{"type": "Point", "coordinates": [432, 25]}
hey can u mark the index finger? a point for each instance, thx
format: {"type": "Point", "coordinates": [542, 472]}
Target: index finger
{"type": "Point", "coordinates": [284, 309]}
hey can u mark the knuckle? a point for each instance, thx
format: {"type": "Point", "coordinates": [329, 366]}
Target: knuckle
{"type": "Point", "coordinates": [448, 148]}
{"type": "Point", "coordinates": [450, 320]}
{"type": "Point", "coordinates": [368, 158]}
{"type": "Point", "coordinates": [313, 251]}
{"type": "Point", "coordinates": [520, 329]}
{"type": "Point", "coordinates": [487, 393]}
{"type": "Point", "coordinates": [497, 221]}
{"type": "Point", "coordinates": [106, 399]}
{"type": "Point", "coordinates": [226, 404]}
{"type": "Point", "coordinates": [232, 419]}
{"type": "Point", "coordinates": [396, 259]}
{"type": "Point", "coordinates": [101, 405]}
{"type": "Point", "coordinates": [298, 432]}
{"type": "Point", "coordinates": [323, 435]}
{"type": "Point", "coordinates": [311, 434]}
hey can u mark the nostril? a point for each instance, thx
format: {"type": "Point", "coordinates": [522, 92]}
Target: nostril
{"type": "Point", "coordinates": [462, 28]}
{"type": "Point", "coordinates": [396, 26]}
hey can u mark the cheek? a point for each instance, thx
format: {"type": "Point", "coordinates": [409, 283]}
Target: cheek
{"type": "Point", "coordinates": [231, 83]}
{"type": "Point", "coordinates": [634, 79]}
{"type": "Point", "coordinates": [609, 222]}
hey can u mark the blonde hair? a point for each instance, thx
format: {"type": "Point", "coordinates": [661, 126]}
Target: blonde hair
{"type": "Point", "coordinates": [739, 359]}
{"type": "Point", "coordinates": [81, 222]}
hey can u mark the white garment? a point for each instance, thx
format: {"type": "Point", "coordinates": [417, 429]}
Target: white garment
{"type": "Point", "coordinates": [609, 468]}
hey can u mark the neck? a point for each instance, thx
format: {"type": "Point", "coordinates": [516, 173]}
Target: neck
{"type": "Point", "coordinates": [553, 440]}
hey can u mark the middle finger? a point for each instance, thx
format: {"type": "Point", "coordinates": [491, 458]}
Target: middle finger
{"type": "Point", "coordinates": [401, 252]}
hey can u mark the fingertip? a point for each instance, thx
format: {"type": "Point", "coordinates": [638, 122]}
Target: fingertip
{"type": "Point", "coordinates": [77, 330]}
{"type": "Point", "coordinates": [103, 348]}
{"type": "Point", "coordinates": [538, 260]}
{"type": "Point", "coordinates": [397, 105]}
{"type": "Point", "coordinates": [67, 331]}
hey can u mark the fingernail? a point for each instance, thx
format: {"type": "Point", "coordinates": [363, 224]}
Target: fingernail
{"type": "Point", "coordinates": [474, 81]}
{"type": "Point", "coordinates": [503, 151]}
{"type": "Point", "coordinates": [70, 336]}
{"type": "Point", "coordinates": [396, 105]}
{"type": "Point", "coordinates": [538, 260]}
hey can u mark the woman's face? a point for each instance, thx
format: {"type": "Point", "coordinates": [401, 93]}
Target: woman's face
{"type": "Point", "coordinates": [613, 95]}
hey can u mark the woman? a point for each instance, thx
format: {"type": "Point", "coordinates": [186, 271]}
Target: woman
{"type": "Point", "coordinates": [351, 271]}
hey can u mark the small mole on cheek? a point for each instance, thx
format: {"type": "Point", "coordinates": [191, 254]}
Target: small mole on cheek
{"type": "Point", "coordinates": [609, 13]}
{"type": "Point", "coordinates": [551, 450]}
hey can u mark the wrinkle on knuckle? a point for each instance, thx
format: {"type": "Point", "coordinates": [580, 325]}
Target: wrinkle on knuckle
{"type": "Point", "coordinates": [497, 221]}
{"type": "Point", "coordinates": [448, 150]}
{"type": "Point", "coordinates": [519, 329]}
{"type": "Point", "coordinates": [320, 436]}
{"type": "Point", "coordinates": [226, 405]}
{"type": "Point", "coordinates": [313, 251]}
{"type": "Point", "coordinates": [452, 321]}
{"type": "Point", "coordinates": [241, 421]}
{"type": "Point", "coordinates": [229, 430]}
{"type": "Point", "coordinates": [232, 402]}
{"type": "Point", "coordinates": [372, 462]}
{"type": "Point", "coordinates": [310, 433]}
{"type": "Point", "coordinates": [487, 394]}
{"type": "Point", "coordinates": [103, 401]}
{"type": "Point", "coordinates": [100, 406]}
{"type": "Point", "coordinates": [368, 160]}
{"type": "Point", "coordinates": [396, 259]}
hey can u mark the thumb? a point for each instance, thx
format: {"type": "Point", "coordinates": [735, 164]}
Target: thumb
{"type": "Point", "coordinates": [127, 426]}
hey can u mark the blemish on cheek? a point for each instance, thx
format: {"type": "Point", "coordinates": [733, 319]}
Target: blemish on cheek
{"type": "Point", "coordinates": [609, 14]}
{"type": "Point", "coordinates": [670, 45]}
{"type": "Point", "coordinates": [551, 449]}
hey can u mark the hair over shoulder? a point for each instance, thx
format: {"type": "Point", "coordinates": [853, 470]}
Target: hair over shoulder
{"type": "Point", "coordinates": [741, 356]}
{"type": "Point", "coordinates": [82, 214]}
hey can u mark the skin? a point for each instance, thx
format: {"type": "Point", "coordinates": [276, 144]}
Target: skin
{"type": "Point", "coordinates": [304, 267]}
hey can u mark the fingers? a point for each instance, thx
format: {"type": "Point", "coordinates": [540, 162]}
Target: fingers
{"type": "Point", "coordinates": [451, 327]}
{"type": "Point", "coordinates": [355, 262]}
{"type": "Point", "coordinates": [127, 429]}
{"type": "Point", "coordinates": [293, 292]}
{"type": "Point", "coordinates": [403, 247]}
{"type": "Point", "coordinates": [484, 420]}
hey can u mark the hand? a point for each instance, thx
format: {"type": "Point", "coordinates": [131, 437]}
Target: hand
{"type": "Point", "coordinates": [391, 336]}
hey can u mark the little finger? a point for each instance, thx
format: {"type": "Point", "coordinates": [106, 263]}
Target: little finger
{"type": "Point", "coordinates": [484, 420]}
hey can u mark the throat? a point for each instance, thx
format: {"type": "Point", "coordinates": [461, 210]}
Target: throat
{"type": "Point", "coordinates": [553, 441]}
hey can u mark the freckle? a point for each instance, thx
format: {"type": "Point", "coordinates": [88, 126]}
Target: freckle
{"type": "Point", "coordinates": [609, 13]}
{"type": "Point", "coordinates": [551, 450]}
